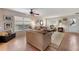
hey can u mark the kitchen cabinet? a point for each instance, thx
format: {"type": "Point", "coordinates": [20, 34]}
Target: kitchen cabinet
{"type": "Point", "coordinates": [39, 39]}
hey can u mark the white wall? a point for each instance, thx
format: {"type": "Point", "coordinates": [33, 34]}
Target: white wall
{"type": "Point", "coordinates": [6, 12]}
{"type": "Point", "coordinates": [66, 24]}
{"type": "Point", "coordinates": [74, 27]}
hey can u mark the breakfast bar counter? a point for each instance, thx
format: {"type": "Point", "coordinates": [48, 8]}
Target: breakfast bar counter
{"type": "Point", "coordinates": [39, 39]}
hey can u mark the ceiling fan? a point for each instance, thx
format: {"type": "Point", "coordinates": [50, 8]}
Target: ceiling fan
{"type": "Point", "coordinates": [33, 13]}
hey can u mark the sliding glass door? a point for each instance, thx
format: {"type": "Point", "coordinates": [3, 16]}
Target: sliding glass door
{"type": "Point", "coordinates": [22, 24]}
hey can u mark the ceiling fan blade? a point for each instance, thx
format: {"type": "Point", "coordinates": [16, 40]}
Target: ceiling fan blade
{"type": "Point", "coordinates": [37, 14]}
{"type": "Point", "coordinates": [32, 12]}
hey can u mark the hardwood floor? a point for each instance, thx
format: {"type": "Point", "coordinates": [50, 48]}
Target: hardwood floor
{"type": "Point", "coordinates": [70, 42]}
{"type": "Point", "coordinates": [16, 44]}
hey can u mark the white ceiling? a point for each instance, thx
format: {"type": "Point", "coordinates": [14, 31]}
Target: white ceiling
{"type": "Point", "coordinates": [45, 12]}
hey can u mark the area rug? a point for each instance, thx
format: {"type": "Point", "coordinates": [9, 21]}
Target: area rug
{"type": "Point", "coordinates": [56, 39]}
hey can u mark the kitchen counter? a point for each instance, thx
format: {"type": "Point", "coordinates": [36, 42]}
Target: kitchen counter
{"type": "Point", "coordinates": [6, 36]}
{"type": "Point", "coordinates": [3, 33]}
{"type": "Point", "coordinates": [39, 38]}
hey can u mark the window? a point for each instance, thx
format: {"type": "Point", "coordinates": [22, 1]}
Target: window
{"type": "Point", "coordinates": [22, 24]}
